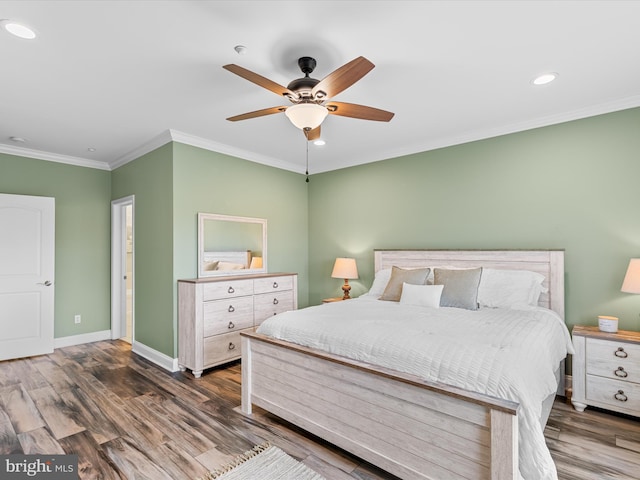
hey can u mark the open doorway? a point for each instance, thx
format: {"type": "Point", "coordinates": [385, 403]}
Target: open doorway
{"type": "Point", "coordinates": [122, 270]}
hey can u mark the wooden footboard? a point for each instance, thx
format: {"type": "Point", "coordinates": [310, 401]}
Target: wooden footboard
{"type": "Point", "coordinates": [407, 426]}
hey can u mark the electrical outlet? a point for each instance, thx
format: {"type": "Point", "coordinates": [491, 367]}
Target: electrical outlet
{"type": "Point", "coordinates": [77, 318]}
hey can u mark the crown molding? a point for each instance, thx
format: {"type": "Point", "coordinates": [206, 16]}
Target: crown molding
{"type": "Point", "coordinates": [540, 122]}
{"type": "Point", "coordinates": [53, 157]}
{"type": "Point", "coordinates": [205, 144]}
{"type": "Point", "coordinates": [149, 146]}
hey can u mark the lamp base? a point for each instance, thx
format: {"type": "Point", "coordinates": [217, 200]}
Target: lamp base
{"type": "Point", "coordinates": [346, 288]}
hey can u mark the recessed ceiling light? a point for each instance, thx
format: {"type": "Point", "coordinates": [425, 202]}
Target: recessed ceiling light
{"type": "Point", "coordinates": [18, 29]}
{"type": "Point", "coordinates": [240, 49]}
{"type": "Point", "coordinates": [18, 139]}
{"type": "Point", "coordinates": [545, 78]}
{"type": "Point", "coordinates": [91, 149]}
{"type": "Point", "coordinates": [319, 142]}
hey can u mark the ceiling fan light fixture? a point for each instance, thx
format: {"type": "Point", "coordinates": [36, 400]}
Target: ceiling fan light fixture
{"type": "Point", "coordinates": [306, 115]}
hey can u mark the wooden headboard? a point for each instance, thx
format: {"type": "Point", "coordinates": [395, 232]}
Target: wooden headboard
{"type": "Point", "coordinates": [242, 257]}
{"type": "Point", "coordinates": [549, 263]}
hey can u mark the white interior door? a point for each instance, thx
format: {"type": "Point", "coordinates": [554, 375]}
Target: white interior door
{"type": "Point", "coordinates": [27, 252]}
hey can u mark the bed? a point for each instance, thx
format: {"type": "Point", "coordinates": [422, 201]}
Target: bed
{"type": "Point", "coordinates": [412, 423]}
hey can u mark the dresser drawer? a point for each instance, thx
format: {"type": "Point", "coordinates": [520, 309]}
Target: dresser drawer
{"type": "Point", "coordinates": [221, 348]}
{"type": "Point", "coordinates": [611, 359]}
{"type": "Point", "coordinates": [273, 284]}
{"type": "Point", "coordinates": [615, 393]}
{"type": "Point", "coordinates": [230, 289]}
{"type": "Point", "coordinates": [269, 304]}
{"type": "Point", "coordinates": [223, 316]}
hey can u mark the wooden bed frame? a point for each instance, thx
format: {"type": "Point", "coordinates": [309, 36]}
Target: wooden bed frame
{"type": "Point", "coordinates": [407, 426]}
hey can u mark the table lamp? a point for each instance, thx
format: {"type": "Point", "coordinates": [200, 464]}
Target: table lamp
{"type": "Point", "coordinates": [345, 268]}
{"type": "Point", "coordinates": [631, 283]}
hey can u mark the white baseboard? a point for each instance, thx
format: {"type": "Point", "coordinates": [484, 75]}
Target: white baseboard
{"type": "Point", "coordinates": [159, 358]}
{"type": "Point", "coordinates": [82, 338]}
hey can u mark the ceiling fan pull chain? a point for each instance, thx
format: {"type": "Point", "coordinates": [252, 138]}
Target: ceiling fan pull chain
{"type": "Point", "coordinates": [306, 134]}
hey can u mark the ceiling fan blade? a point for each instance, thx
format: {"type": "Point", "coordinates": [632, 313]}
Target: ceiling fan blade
{"type": "Point", "coordinates": [342, 78]}
{"type": "Point", "coordinates": [358, 111]}
{"type": "Point", "coordinates": [260, 80]}
{"type": "Point", "coordinates": [257, 113]}
{"type": "Point", "coordinates": [313, 134]}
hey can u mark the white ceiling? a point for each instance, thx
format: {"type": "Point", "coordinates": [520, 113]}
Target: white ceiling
{"type": "Point", "coordinates": [125, 76]}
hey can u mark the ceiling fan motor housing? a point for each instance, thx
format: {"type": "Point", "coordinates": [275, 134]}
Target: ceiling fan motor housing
{"type": "Point", "coordinates": [303, 86]}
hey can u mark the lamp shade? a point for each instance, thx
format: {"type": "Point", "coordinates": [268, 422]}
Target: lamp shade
{"type": "Point", "coordinates": [256, 262]}
{"type": "Point", "coordinates": [631, 283]}
{"type": "Point", "coordinates": [345, 268]}
{"type": "Point", "coordinates": [306, 115]}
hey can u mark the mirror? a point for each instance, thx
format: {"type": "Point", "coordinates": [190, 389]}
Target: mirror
{"type": "Point", "coordinates": [231, 245]}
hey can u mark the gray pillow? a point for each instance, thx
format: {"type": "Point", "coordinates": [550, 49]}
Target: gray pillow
{"type": "Point", "coordinates": [414, 276]}
{"type": "Point", "coordinates": [460, 287]}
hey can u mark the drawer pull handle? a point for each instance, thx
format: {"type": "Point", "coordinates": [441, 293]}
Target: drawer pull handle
{"type": "Point", "coordinates": [621, 353]}
{"type": "Point", "coordinates": [620, 396]}
{"type": "Point", "coordinates": [231, 346]}
{"type": "Point", "coordinates": [621, 373]}
{"type": "Point", "coordinates": [275, 301]}
{"type": "Point", "coordinates": [231, 326]}
{"type": "Point", "coordinates": [231, 290]}
{"type": "Point", "coordinates": [275, 284]}
{"type": "Point", "coordinates": [231, 309]}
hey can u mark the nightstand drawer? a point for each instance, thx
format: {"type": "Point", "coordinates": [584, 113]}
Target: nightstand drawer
{"type": "Point", "coordinates": [615, 393]}
{"type": "Point", "coordinates": [223, 316]}
{"type": "Point", "coordinates": [611, 359]}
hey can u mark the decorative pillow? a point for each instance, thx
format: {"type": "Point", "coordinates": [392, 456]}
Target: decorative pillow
{"type": "Point", "coordinates": [423, 295]}
{"type": "Point", "coordinates": [414, 276]}
{"type": "Point", "coordinates": [208, 266]}
{"type": "Point", "coordinates": [230, 266]}
{"type": "Point", "coordinates": [460, 287]}
{"type": "Point", "coordinates": [508, 288]}
{"type": "Point", "coordinates": [379, 283]}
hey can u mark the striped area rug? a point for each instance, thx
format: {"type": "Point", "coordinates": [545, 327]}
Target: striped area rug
{"type": "Point", "coordinates": [264, 462]}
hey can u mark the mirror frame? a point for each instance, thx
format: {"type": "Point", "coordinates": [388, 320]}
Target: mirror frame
{"type": "Point", "coordinates": [202, 217]}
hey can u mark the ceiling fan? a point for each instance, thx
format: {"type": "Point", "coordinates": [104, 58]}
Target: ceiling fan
{"type": "Point", "coordinates": [310, 97]}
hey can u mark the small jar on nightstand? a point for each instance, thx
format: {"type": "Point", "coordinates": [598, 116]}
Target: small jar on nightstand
{"type": "Point", "coordinates": [606, 370]}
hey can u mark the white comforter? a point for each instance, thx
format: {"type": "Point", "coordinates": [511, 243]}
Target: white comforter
{"type": "Point", "coordinates": [510, 354]}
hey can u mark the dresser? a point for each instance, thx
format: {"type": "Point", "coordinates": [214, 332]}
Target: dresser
{"type": "Point", "coordinates": [606, 370]}
{"type": "Point", "coordinates": [213, 311]}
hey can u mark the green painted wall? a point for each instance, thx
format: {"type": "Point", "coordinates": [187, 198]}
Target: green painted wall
{"type": "Point", "coordinates": [83, 223]}
{"type": "Point", "coordinates": [149, 179]}
{"type": "Point", "coordinates": [571, 186]}
{"type": "Point", "coordinates": [210, 182]}
{"type": "Point", "coordinates": [171, 185]}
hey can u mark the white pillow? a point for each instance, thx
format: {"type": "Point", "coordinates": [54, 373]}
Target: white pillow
{"type": "Point", "coordinates": [423, 295]}
{"type": "Point", "coordinates": [509, 288]}
{"type": "Point", "coordinates": [230, 266]}
{"type": "Point", "coordinates": [379, 283]}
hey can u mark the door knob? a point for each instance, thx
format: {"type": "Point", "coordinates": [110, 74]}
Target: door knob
{"type": "Point", "coordinates": [46, 283]}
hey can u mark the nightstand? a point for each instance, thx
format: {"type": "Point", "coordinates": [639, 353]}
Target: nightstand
{"type": "Point", "coordinates": [606, 370]}
{"type": "Point", "coordinates": [331, 300]}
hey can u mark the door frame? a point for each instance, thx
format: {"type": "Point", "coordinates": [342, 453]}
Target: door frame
{"type": "Point", "coordinates": [118, 267]}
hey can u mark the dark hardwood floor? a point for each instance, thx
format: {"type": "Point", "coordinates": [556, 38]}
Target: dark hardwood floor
{"type": "Point", "coordinates": [128, 419]}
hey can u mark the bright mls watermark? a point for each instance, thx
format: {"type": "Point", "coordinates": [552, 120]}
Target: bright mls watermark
{"type": "Point", "coordinates": [49, 467]}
